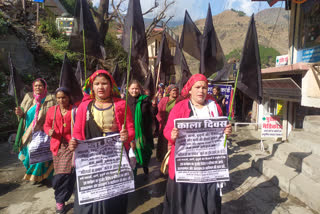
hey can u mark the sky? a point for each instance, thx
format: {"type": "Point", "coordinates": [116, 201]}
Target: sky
{"type": "Point", "coordinates": [198, 8]}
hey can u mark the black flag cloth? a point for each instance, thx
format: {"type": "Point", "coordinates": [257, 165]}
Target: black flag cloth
{"type": "Point", "coordinates": [15, 81]}
{"type": "Point", "coordinates": [149, 85]}
{"type": "Point", "coordinates": [80, 74]}
{"type": "Point", "coordinates": [67, 80]}
{"type": "Point", "coordinates": [212, 58]}
{"type": "Point", "coordinates": [117, 75]}
{"type": "Point", "coordinates": [139, 51]}
{"type": "Point", "coordinates": [249, 80]}
{"type": "Point", "coordinates": [165, 58]}
{"type": "Point", "coordinates": [84, 21]}
{"type": "Point", "coordinates": [190, 37]}
{"type": "Point", "coordinates": [181, 61]}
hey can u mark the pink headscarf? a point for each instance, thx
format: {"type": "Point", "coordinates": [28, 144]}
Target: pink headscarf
{"type": "Point", "coordinates": [193, 79]}
{"type": "Point", "coordinates": [38, 98]}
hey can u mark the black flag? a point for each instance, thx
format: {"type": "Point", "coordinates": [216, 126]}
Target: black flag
{"type": "Point", "coordinates": [80, 74]}
{"type": "Point", "coordinates": [149, 85]}
{"type": "Point", "coordinates": [139, 51]}
{"type": "Point", "coordinates": [212, 58]}
{"type": "Point", "coordinates": [249, 80]}
{"type": "Point", "coordinates": [117, 75]}
{"type": "Point", "coordinates": [84, 21]}
{"type": "Point", "coordinates": [190, 40]}
{"type": "Point", "coordinates": [67, 80]}
{"type": "Point", "coordinates": [165, 58]}
{"type": "Point", "coordinates": [15, 82]}
{"type": "Point", "coordinates": [181, 61]}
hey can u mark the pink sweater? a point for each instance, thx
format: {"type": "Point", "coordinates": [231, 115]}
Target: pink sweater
{"type": "Point", "coordinates": [180, 110]}
{"type": "Point", "coordinates": [119, 105]}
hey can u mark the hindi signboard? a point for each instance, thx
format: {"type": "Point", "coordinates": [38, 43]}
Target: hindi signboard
{"type": "Point", "coordinates": [271, 126]}
{"type": "Point", "coordinates": [200, 155]}
{"type": "Point", "coordinates": [97, 161]}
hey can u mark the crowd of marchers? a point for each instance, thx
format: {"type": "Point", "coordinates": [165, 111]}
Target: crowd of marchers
{"type": "Point", "coordinates": [102, 112]}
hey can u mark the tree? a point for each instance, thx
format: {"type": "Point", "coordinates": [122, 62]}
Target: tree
{"type": "Point", "coordinates": [103, 16]}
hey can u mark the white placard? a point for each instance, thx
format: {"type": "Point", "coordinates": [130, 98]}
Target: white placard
{"type": "Point", "coordinates": [200, 155]}
{"type": "Point", "coordinates": [97, 161]}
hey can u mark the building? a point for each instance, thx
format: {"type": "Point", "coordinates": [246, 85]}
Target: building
{"type": "Point", "coordinates": [293, 90]}
{"type": "Point", "coordinates": [154, 43]}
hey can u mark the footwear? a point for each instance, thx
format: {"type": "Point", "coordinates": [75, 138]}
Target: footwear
{"type": "Point", "coordinates": [60, 208]}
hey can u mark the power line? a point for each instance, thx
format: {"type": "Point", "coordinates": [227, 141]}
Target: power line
{"type": "Point", "coordinates": [274, 26]}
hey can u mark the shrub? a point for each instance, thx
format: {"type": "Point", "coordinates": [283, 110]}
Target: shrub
{"type": "Point", "coordinates": [3, 25]}
{"type": "Point", "coordinates": [267, 55]}
{"type": "Point", "coordinates": [48, 27]}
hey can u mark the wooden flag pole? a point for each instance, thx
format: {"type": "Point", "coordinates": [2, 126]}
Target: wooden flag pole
{"type": "Point", "coordinates": [230, 110]}
{"type": "Point", "coordinates": [84, 55]}
{"type": "Point", "coordinates": [158, 75]}
{"type": "Point", "coordinates": [127, 86]}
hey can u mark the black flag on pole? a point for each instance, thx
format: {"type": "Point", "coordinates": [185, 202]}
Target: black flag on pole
{"type": "Point", "coordinates": [181, 61]}
{"type": "Point", "coordinates": [190, 40]}
{"type": "Point", "coordinates": [84, 21]}
{"type": "Point", "coordinates": [80, 74]}
{"type": "Point", "coordinates": [139, 51]}
{"type": "Point", "coordinates": [117, 75]}
{"type": "Point", "coordinates": [249, 80]}
{"type": "Point", "coordinates": [67, 80]}
{"type": "Point", "coordinates": [149, 85]}
{"type": "Point", "coordinates": [15, 82]}
{"type": "Point", "coordinates": [165, 58]}
{"type": "Point", "coordinates": [212, 58]}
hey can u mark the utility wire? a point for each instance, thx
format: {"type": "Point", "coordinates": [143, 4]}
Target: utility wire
{"type": "Point", "coordinates": [275, 24]}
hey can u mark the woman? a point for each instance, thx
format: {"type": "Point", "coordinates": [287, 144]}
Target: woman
{"type": "Point", "coordinates": [101, 113]}
{"type": "Point", "coordinates": [58, 126]}
{"type": "Point", "coordinates": [33, 112]}
{"type": "Point", "coordinates": [142, 112]}
{"type": "Point", "coordinates": [164, 107]}
{"type": "Point", "coordinates": [221, 100]}
{"type": "Point", "coordinates": [187, 197]}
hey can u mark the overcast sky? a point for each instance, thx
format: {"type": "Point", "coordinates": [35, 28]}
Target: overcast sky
{"type": "Point", "coordinates": [198, 8]}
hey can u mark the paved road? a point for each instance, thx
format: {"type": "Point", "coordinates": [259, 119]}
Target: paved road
{"type": "Point", "coordinates": [248, 192]}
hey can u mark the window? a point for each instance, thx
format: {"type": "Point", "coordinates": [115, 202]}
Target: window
{"type": "Point", "coordinates": [310, 24]}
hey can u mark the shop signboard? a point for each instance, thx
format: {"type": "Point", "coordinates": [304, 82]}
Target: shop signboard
{"type": "Point", "coordinates": [282, 60]}
{"type": "Point", "coordinates": [309, 55]}
{"type": "Point", "coordinates": [271, 126]}
{"type": "Point", "coordinates": [40, 1]}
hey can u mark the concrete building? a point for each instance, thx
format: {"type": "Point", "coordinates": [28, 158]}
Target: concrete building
{"type": "Point", "coordinates": [154, 43]}
{"type": "Point", "coordinates": [291, 92]}
{"type": "Point", "coordinates": [294, 87]}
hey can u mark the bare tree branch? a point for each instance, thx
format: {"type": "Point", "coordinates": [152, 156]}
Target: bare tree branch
{"type": "Point", "coordinates": [161, 16]}
{"type": "Point", "coordinates": [156, 4]}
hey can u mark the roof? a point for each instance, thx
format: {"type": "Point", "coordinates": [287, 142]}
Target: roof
{"type": "Point", "coordinates": [288, 69]}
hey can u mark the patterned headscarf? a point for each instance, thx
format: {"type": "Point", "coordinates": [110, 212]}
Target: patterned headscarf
{"type": "Point", "coordinates": [193, 79]}
{"type": "Point", "coordinates": [38, 98]}
{"type": "Point", "coordinates": [87, 88]}
{"type": "Point", "coordinates": [170, 87]}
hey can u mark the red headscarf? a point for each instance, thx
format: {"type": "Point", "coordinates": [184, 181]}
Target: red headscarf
{"type": "Point", "coordinates": [193, 79]}
{"type": "Point", "coordinates": [87, 88]}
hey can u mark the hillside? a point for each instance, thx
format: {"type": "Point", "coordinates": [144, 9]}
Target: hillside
{"type": "Point", "coordinates": [232, 28]}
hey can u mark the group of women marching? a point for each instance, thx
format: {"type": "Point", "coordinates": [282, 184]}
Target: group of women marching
{"type": "Point", "coordinates": [102, 113]}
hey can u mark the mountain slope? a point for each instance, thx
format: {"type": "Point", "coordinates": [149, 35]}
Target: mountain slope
{"type": "Point", "coordinates": [232, 28]}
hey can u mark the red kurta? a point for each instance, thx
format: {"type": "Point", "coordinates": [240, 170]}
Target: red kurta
{"type": "Point", "coordinates": [60, 130]}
